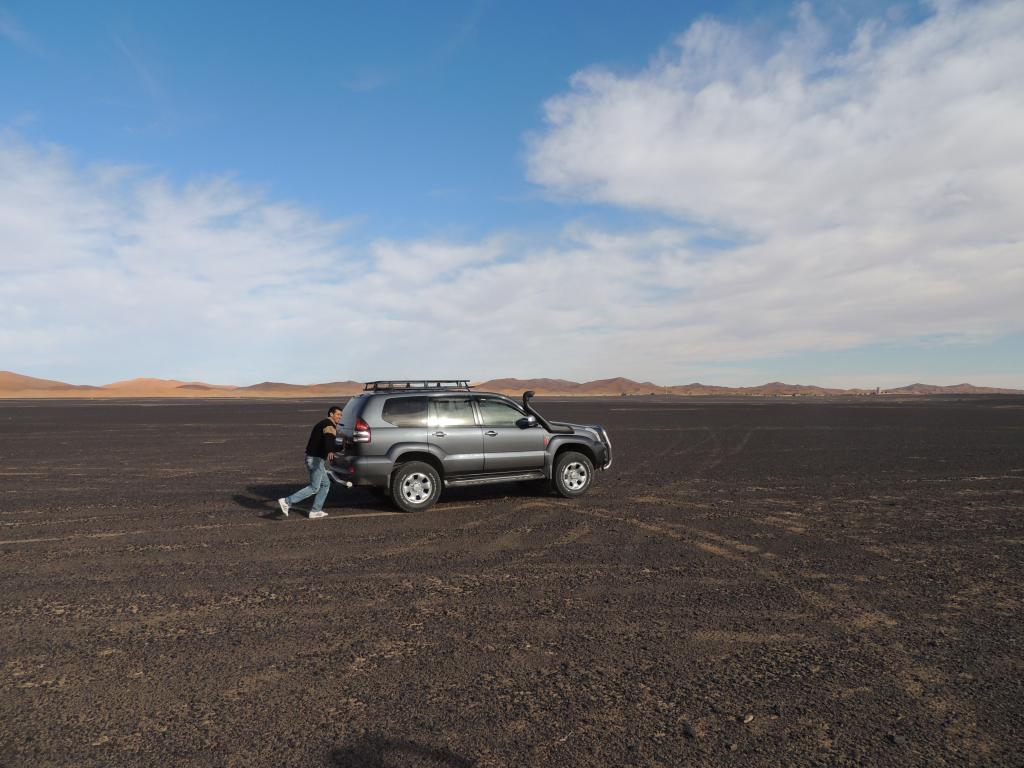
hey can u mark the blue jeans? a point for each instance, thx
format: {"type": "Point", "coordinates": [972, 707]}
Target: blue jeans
{"type": "Point", "coordinates": [319, 483]}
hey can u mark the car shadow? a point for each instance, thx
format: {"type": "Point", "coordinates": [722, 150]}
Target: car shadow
{"type": "Point", "coordinates": [263, 498]}
{"type": "Point", "coordinates": [375, 751]}
{"type": "Point", "coordinates": [490, 492]}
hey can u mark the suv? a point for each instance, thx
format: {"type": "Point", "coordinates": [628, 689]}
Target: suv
{"type": "Point", "coordinates": [410, 439]}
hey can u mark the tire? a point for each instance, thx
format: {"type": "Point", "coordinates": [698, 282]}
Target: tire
{"type": "Point", "coordinates": [415, 486]}
{"type": "Point", "coordinates": [573, 474]}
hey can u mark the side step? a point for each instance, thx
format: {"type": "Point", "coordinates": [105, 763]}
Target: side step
{"type": "Point", "coordinates": [487, 479]}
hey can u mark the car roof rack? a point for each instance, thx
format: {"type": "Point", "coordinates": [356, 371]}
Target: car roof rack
{"type": "Point", "coordinates": [415, 385]}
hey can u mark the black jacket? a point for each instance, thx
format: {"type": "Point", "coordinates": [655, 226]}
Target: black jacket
{"type": "Point", "coordinates": [321, 439]}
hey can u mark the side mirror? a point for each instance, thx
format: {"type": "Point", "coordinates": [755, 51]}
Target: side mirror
{"type": "Point", "coordinates": [526, 422]}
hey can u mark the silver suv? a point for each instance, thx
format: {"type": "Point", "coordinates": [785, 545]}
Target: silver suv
{"type": "Point", "coordinates": [410, 439]}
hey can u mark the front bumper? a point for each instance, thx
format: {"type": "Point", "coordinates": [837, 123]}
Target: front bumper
{"type": "Point", "coordinates": [607, 442]}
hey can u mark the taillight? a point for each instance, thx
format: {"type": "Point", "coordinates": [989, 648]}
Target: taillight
{"type": "Point", "coordinates": [361, 432]}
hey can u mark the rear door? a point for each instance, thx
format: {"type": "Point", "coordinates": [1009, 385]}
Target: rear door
{"type": "Point", "coordinates": [507, 446]}
{"type": "Point", "coordinates": [452, 428]}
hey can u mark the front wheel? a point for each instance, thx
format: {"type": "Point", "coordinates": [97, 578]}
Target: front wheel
{"type": "Point", "coordinates": [573, 474]}
{"type": "Point", "coordinates": [415, 486]}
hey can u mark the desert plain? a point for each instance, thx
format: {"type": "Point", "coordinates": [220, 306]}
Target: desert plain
{"type": "Point", "coordinates": [752, 583]}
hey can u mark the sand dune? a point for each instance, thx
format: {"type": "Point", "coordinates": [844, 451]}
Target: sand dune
{"type": "Point", "coordinates": [277, 389]}
{"type": "Point", "coordinates": [621, 386]}
{"type": "Point", "coordinates": [953, 389]}
{"type": "Point", "coordinates": [14, 385]}
{"type": "Point", "coordinates": [28, 386]}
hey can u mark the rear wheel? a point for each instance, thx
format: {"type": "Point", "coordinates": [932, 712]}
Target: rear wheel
{"type": "Point", "coordinates": [573, 474]}
{"type": "Point", "coordinates": [415, 486]}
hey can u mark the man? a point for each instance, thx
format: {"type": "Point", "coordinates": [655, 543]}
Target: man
{"type": "Point", "coordinates": [319, 450]}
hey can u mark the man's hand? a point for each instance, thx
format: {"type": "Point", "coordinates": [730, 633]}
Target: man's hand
{"type": "Point", "coordinates": [330, 457]}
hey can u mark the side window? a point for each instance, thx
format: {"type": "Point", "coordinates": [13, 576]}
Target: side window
{"type": "Point", "coordinates": [405, 411]}
{"type": "Point", "coordinates": [498, 414]}
{"type": "Point", "coordinates": [450, 412]}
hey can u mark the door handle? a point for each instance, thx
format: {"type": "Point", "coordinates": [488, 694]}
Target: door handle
{"type": "Point", "coordinates": [440, 434]}
{"type": "Point", "coordinates": [491, 433]}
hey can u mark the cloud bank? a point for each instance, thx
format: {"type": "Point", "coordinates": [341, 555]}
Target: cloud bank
{"type": "Point", "coordinates": [875, 190]}
{"type": "Point", "coordinates": [852, 193]}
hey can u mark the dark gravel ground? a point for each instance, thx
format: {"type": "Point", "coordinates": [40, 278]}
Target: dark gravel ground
{"type": "Point", "coordinates": [752, 583]}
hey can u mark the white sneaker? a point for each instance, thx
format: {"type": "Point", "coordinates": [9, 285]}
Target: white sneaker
{"type": "Point", "coordinates": [284, 505]}
{"type": "Point", "coordinates": [317, 514]}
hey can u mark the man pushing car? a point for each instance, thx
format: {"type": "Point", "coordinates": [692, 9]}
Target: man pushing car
{"type": "Point", "coordinates": [319, 450]}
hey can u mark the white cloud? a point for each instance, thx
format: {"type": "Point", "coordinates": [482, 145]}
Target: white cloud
{"type": "Point", "coordinates": [906, 125]}
{"type": "Point", "coordinates": [878, 189]}
{"type": "Point", "coordinates": [874, 193]}
{"type": "Point", "coordinates": [112, 271]}
{"type": "Point", "coordinates": [98, 264]}
{"type": "Point", "coordinates": [11, 30]}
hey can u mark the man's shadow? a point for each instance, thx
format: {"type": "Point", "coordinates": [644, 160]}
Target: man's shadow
{"type": "Point", "coordinates": [375, 751]}
{"type": "Point", "coordinates": [263, 498]}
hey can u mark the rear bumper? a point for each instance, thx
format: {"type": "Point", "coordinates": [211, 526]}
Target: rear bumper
{"type": "Point", "coordinates": [361, 470]}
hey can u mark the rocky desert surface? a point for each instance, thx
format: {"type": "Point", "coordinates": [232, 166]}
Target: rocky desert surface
{"type": "Point", "coordinates": [752, 583]}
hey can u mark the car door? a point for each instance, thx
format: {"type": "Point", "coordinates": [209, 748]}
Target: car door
{"type": "Point", "coordinates": [452, 428]}
{"type": "Point", "coordinates": [508, 446]}
{"type": "Point", "coordinates": [407, 420]}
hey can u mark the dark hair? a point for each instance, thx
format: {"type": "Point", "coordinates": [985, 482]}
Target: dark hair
{"type": "Point", "coordinates": [332, 409]}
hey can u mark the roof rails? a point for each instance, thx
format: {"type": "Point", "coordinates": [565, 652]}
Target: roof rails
{"type": "Point", "coordinates": [416, 384]}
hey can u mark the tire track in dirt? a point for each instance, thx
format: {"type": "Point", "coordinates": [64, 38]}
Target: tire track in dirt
{"type": "Point", "coordinates": [743, 443]}
{"type": "Point", "coordinates": [672, 448]}
{"type": "Point", "coordinates": [432, 537]}
{"type": "Point", "coordinates": [179, 528]}
{"type": "Point", "coordinates": [850, 621]}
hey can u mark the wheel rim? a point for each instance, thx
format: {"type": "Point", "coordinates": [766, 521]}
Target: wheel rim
{"type": "Point", "coordinates": [575, 476]}
{"type": "Point", "coordinates": [417, 488]}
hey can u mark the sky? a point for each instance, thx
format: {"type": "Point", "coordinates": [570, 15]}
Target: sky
{"type": "Point", "coordinates": [826, 193]}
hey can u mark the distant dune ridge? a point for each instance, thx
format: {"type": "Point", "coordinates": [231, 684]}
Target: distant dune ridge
{"type": "Point", "coordinates": [15, 382]}
{"type": "Point", "coordinates": [622, 386]}
{"type": "Point", "coordinates": [14, 385]}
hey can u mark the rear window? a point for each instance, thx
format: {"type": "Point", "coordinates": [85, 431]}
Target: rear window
{"type": "Point", "coordinates": [350, 412]}
{"type": "Point", "coordinates": [405, 411]}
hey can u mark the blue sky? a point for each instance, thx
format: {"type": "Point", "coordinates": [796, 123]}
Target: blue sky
{"type": "Point", "coordinates": [411, 115]}
{"type": "Point", "coordinates": [726, 192]}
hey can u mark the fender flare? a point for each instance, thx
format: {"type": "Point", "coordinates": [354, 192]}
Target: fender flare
{"type": "Point", "coordinates": [398, 450]}
{"type": "Point", "coordinates": [555, 445]}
